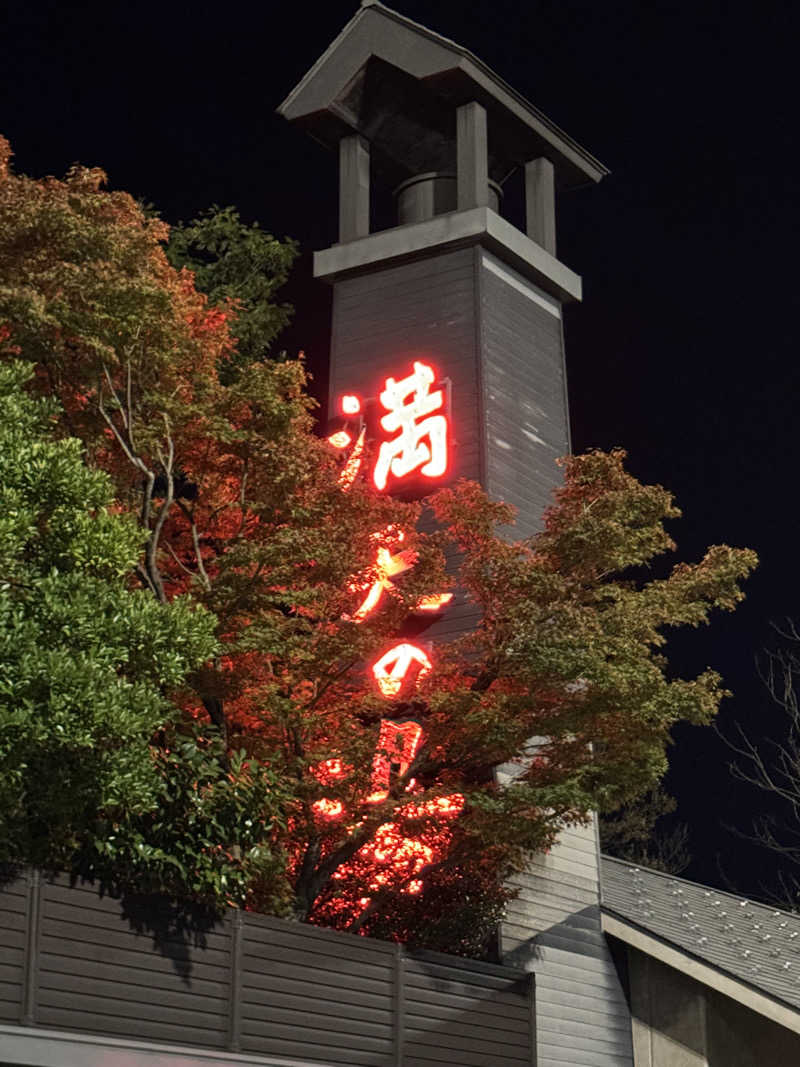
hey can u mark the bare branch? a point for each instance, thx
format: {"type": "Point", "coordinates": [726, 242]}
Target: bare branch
{"type": "Point", "coordinates": [201, 570]}
{"type": "Point", "coordinates": [774, 766]}
{"type": "Point", "coordinates": [186, 570]}
{"type": "Point", "coordinates": [151, 552]}
{"type": "Point", "coordinates": [114, 393]}
{"type": "Point", "coordinates": [132, 457]}
{"type": "Point", "coordinates": [242, 489]}
{"type": "Point", "coordinates": [129, 398]}
{"type": "Point", "coordinates": [147, 499]}
{"type": "Point", "coordinates": [144, 578]}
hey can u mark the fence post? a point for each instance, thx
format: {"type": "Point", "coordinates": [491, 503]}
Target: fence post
{"type": "Point", "coordinates": [31, 962]}
{"type": "Point", "coordinates": [532, 997]}
{"type": "Point", "coordinates": [235, 1004]}
{"type": "Point", "coordinates": [399, 1005]}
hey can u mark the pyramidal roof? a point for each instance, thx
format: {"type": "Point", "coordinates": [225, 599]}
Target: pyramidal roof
{"type": "Point", "coordinates": [330, 101]}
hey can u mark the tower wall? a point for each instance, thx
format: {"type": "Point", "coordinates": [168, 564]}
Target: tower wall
{"type": "Point", "coordinates": [526, 427]}
{"type": "Point", "coordinates": [383, 321]}
{"type": "Point", "coordinates": [462, 289]}
{"type": "Point", "coordinates": [498, 337]}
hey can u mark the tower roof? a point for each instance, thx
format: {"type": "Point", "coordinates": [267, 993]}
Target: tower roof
{"type": "Point", "coordinates": [398, 84]}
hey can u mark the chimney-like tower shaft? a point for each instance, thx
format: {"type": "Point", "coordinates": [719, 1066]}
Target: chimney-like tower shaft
{"type": "Point", "coordinates": [458, 286]}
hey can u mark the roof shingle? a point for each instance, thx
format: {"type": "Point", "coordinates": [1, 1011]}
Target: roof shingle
{"type": "Point", "coordinates": [755, 944]}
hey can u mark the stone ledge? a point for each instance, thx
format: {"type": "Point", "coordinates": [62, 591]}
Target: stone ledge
{"type": "Point", "coordinates": [457, 228]}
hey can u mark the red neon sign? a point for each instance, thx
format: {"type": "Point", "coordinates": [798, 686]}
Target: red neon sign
{"type": "Point", "coordinates": [391, 669]}
{"type": "Point", "coordinates": [398, 743]}
{"type": "Point", "coordinates": [340, 439]}
{"type": "Point", "coordinates": [421, 436]}
{"type": "Point", "coordinates": [415, 415]}
{"type": "Point", "coordinates": [388, 565]}
{"type": "Point", "coordinates": [435, 602]}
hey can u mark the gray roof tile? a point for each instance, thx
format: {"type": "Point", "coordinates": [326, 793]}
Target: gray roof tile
{"type": "Point", "coordinates": [753, 943]}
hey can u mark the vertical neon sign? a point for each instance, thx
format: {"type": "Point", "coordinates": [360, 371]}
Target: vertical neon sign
{"type": "Point", "coordinates": [412, 439]}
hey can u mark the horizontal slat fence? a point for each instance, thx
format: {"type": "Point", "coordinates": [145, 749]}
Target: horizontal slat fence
{"type": "Point", "coordinates": [73, 960]}
{"type": "Point", "coordinates": [13, 942]}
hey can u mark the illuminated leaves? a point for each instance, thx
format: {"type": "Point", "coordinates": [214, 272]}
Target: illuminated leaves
{"type": "Point", "coordinates": [232, 501]}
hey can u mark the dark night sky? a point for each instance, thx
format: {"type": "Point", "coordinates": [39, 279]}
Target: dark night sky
{"type": "Point", "coordinates": [684, 349]}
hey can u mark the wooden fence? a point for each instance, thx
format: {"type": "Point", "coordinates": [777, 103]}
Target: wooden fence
{"type": "Point", "coordinates": [74, 961]}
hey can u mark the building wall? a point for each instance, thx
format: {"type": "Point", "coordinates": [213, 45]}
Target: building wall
{"type": "Point", "coordinates": [678, 1022]}
{"type": "Point", "coordinates": [425, 309]}
{"type": "Point", "coordinates": [668, 1015]}
{"type": "Point", "coordinates": [527, 424]}
{"type": "Point", "coordinates": [553, 929]}
{"type": "Point", "coordinates": [499, 339]}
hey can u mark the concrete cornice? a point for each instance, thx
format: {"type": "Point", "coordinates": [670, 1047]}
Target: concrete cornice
{"type": "Point", "coordinates": [681, 961]}
{"type": "Point", "coordinates": [475, 226]}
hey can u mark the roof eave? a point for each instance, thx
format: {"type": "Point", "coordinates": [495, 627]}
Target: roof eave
{"type": "Point", "coordinates": [579, 161]}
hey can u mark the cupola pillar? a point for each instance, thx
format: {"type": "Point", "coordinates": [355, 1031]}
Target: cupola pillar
{"type": "Point", "coordinates": [353, 188]}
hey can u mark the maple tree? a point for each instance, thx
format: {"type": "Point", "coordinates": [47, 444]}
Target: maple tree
{"type": "Point", "coordinates": [633, 833]}
{"type": "Point", "coordinates": [233, 262]}
{"type": "Point", "coordinates": [394, 822]}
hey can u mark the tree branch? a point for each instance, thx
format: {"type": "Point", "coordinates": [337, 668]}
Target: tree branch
{"type": "Point", "coordinates": [201, 570]}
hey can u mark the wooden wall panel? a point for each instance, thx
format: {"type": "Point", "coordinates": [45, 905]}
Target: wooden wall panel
{"type": "Point", "coordinates": [553, 926]}
{"type": "Point", "coordinates": [526, 426]}
{"type": "Point", "coordinates": [98, 974]}
{"type": "Point", "coordinates": [256, 985]}
{"type": "Point", "coordinates": [13, 930]}
{"type": "Point", "coordinates": [469, 1018]}
{"type": "Point", "coordinates": [316, 994]}
{"type": "Point", "coordinates": [426, 310]}
{"type": "Point", "coordinates": [499, 338]}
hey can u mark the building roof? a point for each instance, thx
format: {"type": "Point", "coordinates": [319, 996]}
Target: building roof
{"type": "Point", "coordinates": [338, 95]}
{"type": "Point", "coordinates": [752, 943]}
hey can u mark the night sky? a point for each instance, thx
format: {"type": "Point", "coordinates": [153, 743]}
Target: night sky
{"type": "Point", "coordinates": [684, 349]}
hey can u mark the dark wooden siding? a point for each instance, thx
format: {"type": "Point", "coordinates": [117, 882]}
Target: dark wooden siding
{"type": "Point", "coordinates": [13, 931]}
{"type": "Point", "coordinates": [500, 345]}
{"type": "Point", "coordinates": [553, 926]}
{"type": "Point", "coordinates": [426, 309]}
{"type": "Point", "coordinates": [96, 973]}
{"type": "Point", "coordinates": [525, 399]}
{"type": "Point", "coordinates": [309, 993]}
{"type": "Point", "coordinates": [499, 339]}
{"type": "Point", "coordinates": [454, 1016]}
{"type": "Point", "coordinates": [253, 984]}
